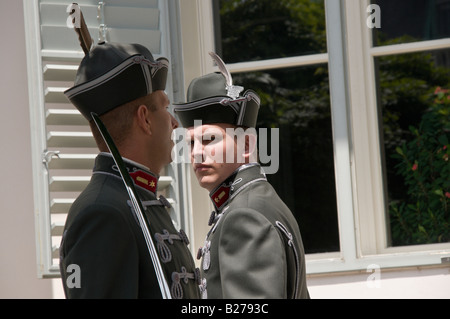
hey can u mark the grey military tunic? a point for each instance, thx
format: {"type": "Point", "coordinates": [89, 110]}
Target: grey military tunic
{"type": "Point", "coordinates": [254, 248]}
{"type": "Point", "coordinates": [103, 238]}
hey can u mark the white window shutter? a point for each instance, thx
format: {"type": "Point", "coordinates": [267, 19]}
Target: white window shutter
{"type": "Point", "coordinates": [63, 147]}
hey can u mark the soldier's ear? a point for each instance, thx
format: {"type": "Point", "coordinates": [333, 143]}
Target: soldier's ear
{"type": "Point", "coordinates": [143, 119]}
{"type": "Point", "coordinates": [250, 153]}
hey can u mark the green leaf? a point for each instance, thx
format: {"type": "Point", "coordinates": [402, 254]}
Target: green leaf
{"type": "Point", "coordinates": [443, 140]}
{"type": "Point", "coordinates": [422, 229]}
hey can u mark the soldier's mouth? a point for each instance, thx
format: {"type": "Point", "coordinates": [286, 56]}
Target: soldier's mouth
{"type": "Point", "coordinates": [201, 168]}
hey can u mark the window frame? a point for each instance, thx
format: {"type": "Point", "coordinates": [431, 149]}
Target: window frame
{"type": "Point", "coordinates": [38, 141]}
{"type": "Point", "coordinates": [357, 152]}
{"type": "Point", "coordinates": [368, 180]}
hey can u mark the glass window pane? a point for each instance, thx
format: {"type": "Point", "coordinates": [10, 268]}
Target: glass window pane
{"type": "Point", "coordinates": [253, 30]}
{"type": "Point", "coordinates": [415, 107]}
{"type": "Point", "coordinates": [297, 101]}
{"type": "Point", "coordinates": [412, 20]}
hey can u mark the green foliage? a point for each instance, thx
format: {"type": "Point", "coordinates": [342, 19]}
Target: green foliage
{"type": "Point", "coordinates": [424, 216]}
{"type": "Point", "coordinates": [264, 29]}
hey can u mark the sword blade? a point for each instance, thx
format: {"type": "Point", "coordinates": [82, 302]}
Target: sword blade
{"type": "Point", "coordinates": [137, 206]}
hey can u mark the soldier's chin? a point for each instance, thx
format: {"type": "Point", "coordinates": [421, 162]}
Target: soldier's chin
{"type": "Point", "coordinates": [207, 181]}
{"type": "Point", "coordinates": [169, 158]}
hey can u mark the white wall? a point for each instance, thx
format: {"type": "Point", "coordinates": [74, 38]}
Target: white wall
{"type": "Point", "coordinates": [18, 277]}
{"type": "Point", "coordinates": [428, 283]}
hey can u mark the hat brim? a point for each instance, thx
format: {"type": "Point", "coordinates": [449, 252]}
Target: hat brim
{"type": "Point", "coordinates": [135, 77]}
{"type": "Point", "coordinates": [242, 111]}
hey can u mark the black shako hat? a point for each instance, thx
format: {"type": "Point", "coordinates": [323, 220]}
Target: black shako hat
{"type": "Point", "coordinates": [213, 98]}
{"type": "Point", "coordinates": [112, 74]}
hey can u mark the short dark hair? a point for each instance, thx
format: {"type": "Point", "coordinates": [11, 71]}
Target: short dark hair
{"type": "Point", "coordinates": [119, 122]}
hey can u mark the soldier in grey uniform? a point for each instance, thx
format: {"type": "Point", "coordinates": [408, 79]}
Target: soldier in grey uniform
{"type": "Point", "coordinates": [254, 247]}
{"type": "Point", "coordinates": [124, 85]}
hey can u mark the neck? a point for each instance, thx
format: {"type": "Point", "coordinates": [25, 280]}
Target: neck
{"type": "Point", "coordinates": [131, 161]}
{"type": "Point", "coordinates": [138, 156]}
{"type": "Point", "coordinates": [234, 173]}
{"type": "Point", "coordinates": [141, 175]}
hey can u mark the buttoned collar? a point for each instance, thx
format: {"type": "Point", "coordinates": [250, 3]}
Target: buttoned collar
{"type": "Point", "coordinates": [141, 175]}
{"type": "Point", "coordinates": [235, 183]}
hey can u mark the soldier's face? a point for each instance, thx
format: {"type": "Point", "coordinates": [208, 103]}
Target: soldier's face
{"type": "Point", "coordinates": [163, 123]}
{"type": "Point", "coordinates": [214, 153]}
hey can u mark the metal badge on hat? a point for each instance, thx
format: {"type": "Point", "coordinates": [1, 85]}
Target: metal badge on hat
{"type": "Point", "coordinates": [233, 91]}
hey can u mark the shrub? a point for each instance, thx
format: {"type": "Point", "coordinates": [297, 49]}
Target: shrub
{"type": "Point", "coordinates": [423, 162]}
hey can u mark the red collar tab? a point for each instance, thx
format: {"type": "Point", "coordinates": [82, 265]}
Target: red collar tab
{"type": "Point", "coordinates": [220, 196]}
{"type": "Point", "coordinates": [145, 180]}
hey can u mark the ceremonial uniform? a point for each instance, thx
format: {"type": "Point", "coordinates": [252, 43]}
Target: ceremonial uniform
{"type": "Point", "coordinates": [254, 248]}
{"type": "Point", "coordinates": [103, 238]}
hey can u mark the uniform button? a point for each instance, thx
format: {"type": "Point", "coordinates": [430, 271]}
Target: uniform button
{"type": "Point", "coordinates": [211, 218]}
{"type": "Point", "coordinates": [198, 277]}
{"type": "Point", "coordinates": [200, 253]}
{"type": "Point", "coordinates": [207, 256]}
{"type": "Point", "coordinates": [184, 237]}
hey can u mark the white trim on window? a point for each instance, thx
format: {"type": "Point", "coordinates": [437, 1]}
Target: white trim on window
{"type": "Point", "coordinates": [366, 161]}
{"type": "Point", "coordinates": [409, 47]}
{"type": "Point", "coordinates": [290, 62]}
{"type": "Point", "coordinates": [341, 137]}
{"type": "Point", "coordinates": [370, 211]}
{"type": "Point", "coordinates": [38, 143]}
{"type": "Point", "coordinates": [358, 169]}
